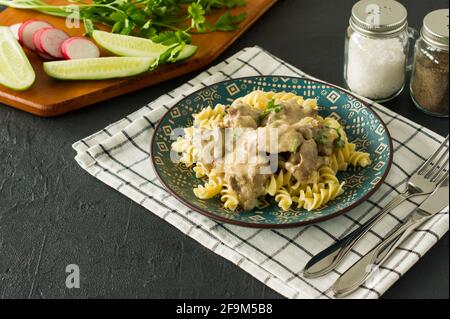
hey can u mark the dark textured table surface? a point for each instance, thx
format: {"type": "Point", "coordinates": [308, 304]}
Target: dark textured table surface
{"type": "Point", "coordinates": [53, 214]}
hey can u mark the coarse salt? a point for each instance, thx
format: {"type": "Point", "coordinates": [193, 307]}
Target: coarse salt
{"type": "Point", "coordinates": [375, 67]}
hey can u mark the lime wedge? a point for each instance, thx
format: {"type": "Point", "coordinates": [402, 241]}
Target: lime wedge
{"type": "Point", "coordinates": [129, 46]}
{"type": "Point", "coordinates": [16, 71]}
{"type": "Point", "coordinates": [125, 45]}
{"type": "Point", "coordinates": [97, 68]}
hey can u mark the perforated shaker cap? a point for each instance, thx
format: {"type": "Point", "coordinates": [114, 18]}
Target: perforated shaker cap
{"type": "Point", "coordinates": [435, 29]}
{"type": "Point", "coordinates": [379, 17]}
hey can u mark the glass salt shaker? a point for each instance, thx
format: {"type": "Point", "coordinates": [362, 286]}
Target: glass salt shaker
{"type": "Point", "coordinates": [377, 49]}
{"type": "Point", "coordinates": [429, 81]}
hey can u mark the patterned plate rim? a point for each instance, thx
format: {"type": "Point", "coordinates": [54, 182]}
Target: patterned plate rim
{"type": "Point", "coordinates": [274, 226]}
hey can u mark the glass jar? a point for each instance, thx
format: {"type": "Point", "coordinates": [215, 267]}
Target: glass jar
{"type": "Point", "coordinates": [429, 81]}
{"type": "Point", "coordinates": [377, 49]}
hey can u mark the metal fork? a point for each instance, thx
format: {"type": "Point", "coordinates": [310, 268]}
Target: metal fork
{"type": "Point", "coordinates": [423, 182]}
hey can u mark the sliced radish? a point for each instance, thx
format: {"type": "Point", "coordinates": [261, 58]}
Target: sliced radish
{"type": "Point", "coordinates": [28, 29]}
{"type": "Point", "coordinates": [15, 29]}
{"type": "Point", "coordinates": [51, 40]}
{"type": "Point", "coordinates": [37, 39]}
{"type": "Point", "coordinates": [45, 56]}
{"type": "Point", "coordinates": [79, 48]}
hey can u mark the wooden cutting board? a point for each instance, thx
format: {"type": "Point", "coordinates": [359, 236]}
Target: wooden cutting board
{"type": "Point", "coordinates": [50, 97]}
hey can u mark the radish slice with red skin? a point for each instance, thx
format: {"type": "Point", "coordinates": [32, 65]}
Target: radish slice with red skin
{"type": "Point", "coordinates": [79, 48]}
{"type": "Point", "coordinates": [37, 43]}
{"type": "Point", "coordinates": [37, 39]}
{"type": "Point", "coordinates": [45, 56]}
{"type": "Point", "coordinates": [22, 27]}
{"type": "Point", "coordinates": [51, 40]}
{"type": "Point", "coordinates": [15, 29]}
{"type": "Point", "coordinates": [28, 29]}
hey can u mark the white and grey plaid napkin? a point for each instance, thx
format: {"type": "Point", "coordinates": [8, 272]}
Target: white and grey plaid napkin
{"type": "Point", "coordinates": [119, 156]}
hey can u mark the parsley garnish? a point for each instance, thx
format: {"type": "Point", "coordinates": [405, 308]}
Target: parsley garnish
{"type": "Point", "coordinates": [339, 142]}
{"type": "Point", "coordinates": [228, 22]}
{"type": "Point", "coordinates": [271, 107]}
{"type": "Point", "coordinates": [321, 138]}
{"type": "Point", "coordinates": [197, 14]}
{"type": "Point", "coordinates": [163, 21]}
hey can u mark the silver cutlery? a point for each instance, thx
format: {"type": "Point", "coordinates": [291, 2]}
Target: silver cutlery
{"type": "Point", "coordinates": [364, 268]}
{"type": "Point", "coordinates": [423, 182]}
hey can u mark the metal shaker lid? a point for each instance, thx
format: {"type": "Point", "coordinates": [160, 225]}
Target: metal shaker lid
{"type": "Point", "coordinates": [435, 29]}
{"type": "Point", "coordinates": [379, 17]}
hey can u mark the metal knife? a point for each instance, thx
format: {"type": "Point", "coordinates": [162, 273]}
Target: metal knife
{"type": "Point", "coordinates": [356, 275]}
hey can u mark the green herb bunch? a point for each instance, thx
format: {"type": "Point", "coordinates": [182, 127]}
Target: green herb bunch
{"type": "Point", "coordinates": [163, 21]}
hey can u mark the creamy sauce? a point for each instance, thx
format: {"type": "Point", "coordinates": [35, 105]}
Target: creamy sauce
{"type": "Point", "coordinates": [242, 116]}
{"type": "Point", "coordinates": [303, 147]}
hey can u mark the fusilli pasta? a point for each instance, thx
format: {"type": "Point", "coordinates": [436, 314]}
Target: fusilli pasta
{"type": "Point", "coordinates": [260, 99]}
{"type": "Point", "coordinates": [318, 195]}
{"type": "Point", "coordinates": [211, 189]}
{"type": "Point", "coordinates": [200, 170]}
{"type": "Point", "coordinates": [286, 186]}
{"type": "Point", "coordinates": [284, 199]}
{"type": "Point", "coordinates": [210, 117]}
{"type": "Point", "coordinates": [229, 198]}
{"type": "Point", "coordinates": [277, 181]}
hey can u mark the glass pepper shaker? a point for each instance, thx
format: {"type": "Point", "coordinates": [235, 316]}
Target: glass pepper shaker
{"type": "Point", "coordinates": [377, 49]}
{"type": "Point", "coordinates": [429, 82]}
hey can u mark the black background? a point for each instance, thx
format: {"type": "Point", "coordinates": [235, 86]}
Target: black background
{"type": "Point", "coordinates": [53, 214]}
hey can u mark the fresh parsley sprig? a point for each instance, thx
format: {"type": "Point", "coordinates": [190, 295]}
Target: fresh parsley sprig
{"type": "Point", "coordinates": [271, 107]}
{"type": "Point", "coordinates": [339, 142]}
{"type": "Point", "coordinates": [322, 138]}
{"type": "Point", "coordinates": [163, 21]}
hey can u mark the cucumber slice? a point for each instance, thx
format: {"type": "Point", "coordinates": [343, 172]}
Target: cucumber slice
{"type": "Point", "coordinates": [125, 45]}
{"type": "Point", "coordinates": [97, 68]}
{"type": "Point", "coordinates": [187, 52]}
{"type": "Point", "coordinates": [16, 71]}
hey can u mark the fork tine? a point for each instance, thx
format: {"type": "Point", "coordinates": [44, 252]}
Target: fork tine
{"type": "Point", "coordinates": [438, 164]}
{"type": "Point", "coordinates": [443, 177]}
{"type": "Point", "coordinates": [427, 165]}
{"type": "Point", "coordinates": [431, 159]}
{"type": "Point", "coordinates": [443, 168]}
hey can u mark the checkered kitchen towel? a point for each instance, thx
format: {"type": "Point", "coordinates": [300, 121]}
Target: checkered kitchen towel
{"type": "Point", "coordinates": [118, 155]}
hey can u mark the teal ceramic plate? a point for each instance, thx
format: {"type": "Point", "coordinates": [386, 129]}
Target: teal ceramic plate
{"type": "Point", "coordinates": [363, 126]}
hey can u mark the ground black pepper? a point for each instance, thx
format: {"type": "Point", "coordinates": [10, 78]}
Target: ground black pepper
{"type": "Point", "coordinates": [430, 83]}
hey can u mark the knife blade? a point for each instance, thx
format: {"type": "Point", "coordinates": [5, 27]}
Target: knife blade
{"type": "Point", "coordinates": [437, 201]}
{"type": "Point", "coordinates": [356, 275]}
